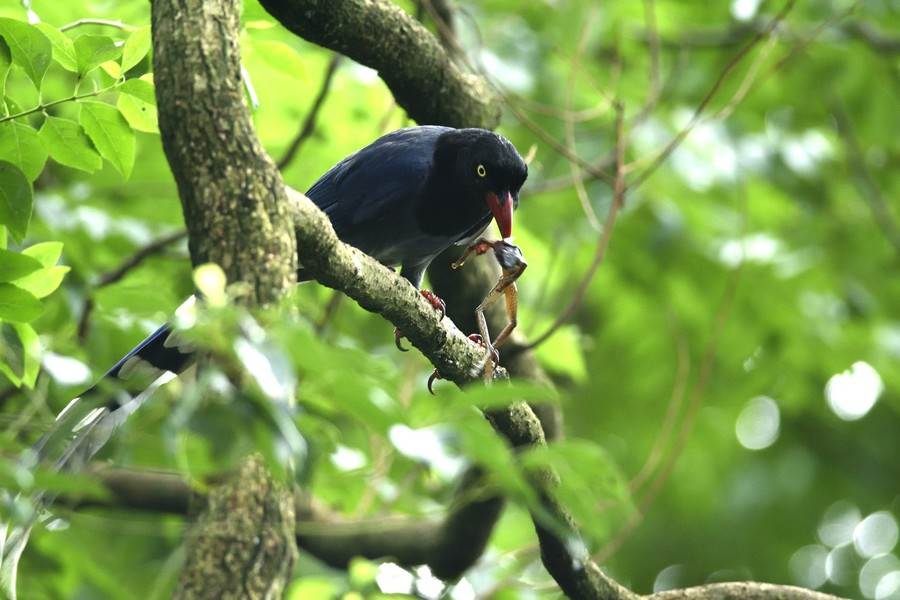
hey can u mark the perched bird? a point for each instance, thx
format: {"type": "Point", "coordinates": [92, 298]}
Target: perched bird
{"type": "Point", "coordinates": [411, 194]}
{"type": "Point", "coordinates": [403, 199]}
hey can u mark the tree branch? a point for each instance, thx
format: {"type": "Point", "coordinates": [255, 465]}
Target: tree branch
{"type": "Point", "coordinates": [413, 64]}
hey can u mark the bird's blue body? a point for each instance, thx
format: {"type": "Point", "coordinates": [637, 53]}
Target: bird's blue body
{"type": "Point", "coordinates": [377, 197]}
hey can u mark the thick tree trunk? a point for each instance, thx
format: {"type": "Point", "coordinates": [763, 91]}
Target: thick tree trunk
{"type": "Point", "coordinates": [242, 545]}
{"type": "Point", "coordinates": [237, 214]}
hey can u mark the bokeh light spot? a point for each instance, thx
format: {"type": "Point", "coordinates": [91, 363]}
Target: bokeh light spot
{"type": "Point", "coordinates": [876, 534]}
{"type": "Point", "coordinates": [757, 425]}
{"type": "Point", "coordinates": [889, 587]}
{"type": "Point", "coordinates": [853, 393]}
{"type": "Point", "coordinates": [808, 566]}
{"type": "Point", "coordinates": [874, 571]}
{"type": "Point", "coordinates": [669, 578]}
{"type": "Point", "coordinates": [838, 523]}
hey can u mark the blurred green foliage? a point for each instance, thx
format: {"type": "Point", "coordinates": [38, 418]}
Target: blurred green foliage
{"type": "Point", "coordinates": [729, 382]}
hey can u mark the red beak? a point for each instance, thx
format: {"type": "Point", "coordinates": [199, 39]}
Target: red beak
{"type": "Point", "coordinates": [503, 211]}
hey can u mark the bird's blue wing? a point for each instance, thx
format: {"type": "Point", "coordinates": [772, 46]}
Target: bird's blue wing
{"type": "Point", "coordinates": [381, 179]}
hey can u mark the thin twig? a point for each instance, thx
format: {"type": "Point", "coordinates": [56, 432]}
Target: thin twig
{"type": "Point", "coordinates": [112, 276]}
{"type": "Point", "coordinates": [44, 106]}
{"type": "Point", "coordinates": [676, 398]}
{"type": "Point", "coordinates": [618, 200]}
{"type": "Point", "coordinates": [309, 123]}
{"type": "Point", "coordinates": [696, 400]}
{"type": "Point", "coordinates": [102, 22]}
{"type": "Point", "coordinates": [577, 178]}
{"type": "Point", "coordinates": [862, 178]}
{"type": "Point", "coordinates": [663, 154]}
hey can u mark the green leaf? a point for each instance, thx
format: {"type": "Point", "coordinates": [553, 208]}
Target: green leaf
{"type": "Point", "coordinates": [91, 50]}
{"type": "Point", "coordinates": [69, 145]}
{"type": "Point", "coordinates": [112, 68]}
{"type": "Point", "coordinates": [110, 133]}
{"type": "Point", "coordinates": [140, 115]}
{"type": "Point", "coordinates": [140, 89]}
{"type": "Point", "coordinates": [44, 282]}
{"type": "Point", "coordinates": [5, 64]}
{"type": "Point", "coordinates": [15, 199]}
{"type": "Point", "coordinates": [18, 305]}
{"type": "Point", "coordinates": [31, 353]}
{"type": "Point", "coordinates": [21, 145]}
{"type": "Point", "coordinates": [63, 48]}
{"type": "Point", "coordinates": [30, 48]}
{"type": "Point", "coordinates": [136, 48]}
{"type": "Point", "coordinates": [589, 480]}
{"type": "Point", "coordinates": [14, 265]}
{"type": "Point", "coordinates": [46, 253]}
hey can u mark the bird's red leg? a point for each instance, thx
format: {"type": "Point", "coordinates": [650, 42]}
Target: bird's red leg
{"type": "Point", "coordinates": [480, 247]}
{"type": "Point", "coordinates": [435, 301]}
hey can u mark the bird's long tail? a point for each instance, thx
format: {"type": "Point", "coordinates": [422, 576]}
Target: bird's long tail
{"type": "Point", "coordinates": [87, 423]}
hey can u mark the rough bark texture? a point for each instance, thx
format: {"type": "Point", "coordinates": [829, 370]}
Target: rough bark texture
{"type": "Point", "coordinates": [242, 545]}
{"type": "Point", "coordinates": [413, 64]}
{"type": "Point", "coordinates": [237, 215]}
{"type": "Point", "coordinates": [232, 194]}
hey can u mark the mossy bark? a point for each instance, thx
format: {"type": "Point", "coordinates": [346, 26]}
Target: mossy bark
{"type": "Point", "coordinates": [413, 64]}
{"type": "Point", "coordinates": [236, 210]}
{"type": "Point", "coordinates": [242, 545]}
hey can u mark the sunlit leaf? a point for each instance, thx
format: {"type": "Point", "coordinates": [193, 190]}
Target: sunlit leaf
{"type": "Point", "coordinates": [44, 282]}
{"type": "Point", "coordinates": [21, 145]}
{"type": "Point", "coordinates": [91, 50]}
{"type": "Point", "coordinates": [63, 48]}
{"type": "Point", "coordinates": [30, 48]}
{"type": "Point", "coordinates": [141, 89]}
{"type": "Point", "coordinates": [31, 353]}
{"type": "Point", "coordinates": [112, 68]}
{"type": "Point", "coordinates": [210, 280]}
{"type": "Point", "coordinates": [15, 199]}
{"type": "Point", "coordinates": [46, 253]}
{"type": "Point", "coordinates": [313, 587]}
{"type": "Point", "coordinates": [18, 305]}
{"type": "Point", "coordinates": [14, 265]}
{"type": "Point", "coordinates": [136, 47]}
{"type": "Point", "coordinates": [589, 481]}
{"type": "Point", "coordinates": [140, 115]}
{"type": "Point", "coordinates": [111, 134]}
{"type": "Point", "coordinates": [69, 145]}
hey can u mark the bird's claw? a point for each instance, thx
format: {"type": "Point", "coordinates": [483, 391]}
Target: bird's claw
{"type": "Point", "coordinates": [480, 247]}
{"type": "Point", "coordinates": [435, 301]}
{"type": "Point", "coordinates": [431, 379]}
{"type": "Point", "coordinates": [476, 337]}
{"type": "Point", "coordinates": [398, 335]}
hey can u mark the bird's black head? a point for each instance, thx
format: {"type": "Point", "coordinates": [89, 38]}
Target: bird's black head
{"type": "Point", "coordinates": [483, 173]}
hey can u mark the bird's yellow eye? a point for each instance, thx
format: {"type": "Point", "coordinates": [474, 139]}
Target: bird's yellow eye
{"type": "Point", "coordinates": [481, 170]}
